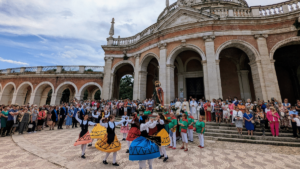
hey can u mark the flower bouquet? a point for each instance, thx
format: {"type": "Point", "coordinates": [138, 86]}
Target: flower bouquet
{"type": "Point", "coordinates": [141, 108]}
{"type": "Point", "coordinates": [173, 108]}
{"type": "Point", "coordinates": [160, 108]}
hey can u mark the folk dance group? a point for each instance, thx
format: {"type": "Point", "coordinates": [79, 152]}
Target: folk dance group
{"type": "Point", "coordinates": [146, 139]}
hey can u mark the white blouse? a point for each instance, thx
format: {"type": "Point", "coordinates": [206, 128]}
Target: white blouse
{"type": "Point", "coordinates": [111, 124]}
{"type": "Point", "coordinates": [146, 126]}
{"type": "Point", "coordinates": [84, 121]}
{"type": "Point", "coordinates": [127, 121]}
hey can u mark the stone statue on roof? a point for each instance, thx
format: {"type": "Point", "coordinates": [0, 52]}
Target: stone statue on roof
{"type": "Point", "coordinates": [185, 2]}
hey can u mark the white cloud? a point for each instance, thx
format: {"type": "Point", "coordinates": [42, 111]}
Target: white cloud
{"type": "Point", "coordinates": [12, 61]}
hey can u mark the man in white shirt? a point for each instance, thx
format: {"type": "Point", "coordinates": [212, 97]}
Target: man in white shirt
{"type": "Point", "coordinates": [178, 105]}
{"type": "Point", "coordinates": [185, 105]}
{"type": "Point", "coordinates": [193, 105]}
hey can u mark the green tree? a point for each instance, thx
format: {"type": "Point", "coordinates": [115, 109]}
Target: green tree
{"type": "Point", "coordinates": [126, 87]}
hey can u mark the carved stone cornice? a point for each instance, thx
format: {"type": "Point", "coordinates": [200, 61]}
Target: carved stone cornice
{"type": "Point", "coordinates": [137, 56]}
{"type": "Point", "coordinates": [209, 38]}
{"type": "Point", "coordinates": [171, 66]}
{"type": "Point", "coordinates": [183, 43]}
{"type": "Point", "coordinates": [108, 58]}
{"type": "Point", "coordinates": [272, 61]}
{"type": "Point", "coordinates": [204, 61]}
{"type": "Point", "coordinates": [162, 46]}
{"type": "Point", "coordinates": [257, 36]}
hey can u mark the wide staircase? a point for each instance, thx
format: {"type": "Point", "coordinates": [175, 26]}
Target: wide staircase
{"type": "Point", "coordinates": [228, 132]}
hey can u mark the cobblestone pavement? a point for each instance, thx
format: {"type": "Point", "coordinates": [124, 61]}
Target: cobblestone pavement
{"type": "Point", "coordinates": [54, 149]}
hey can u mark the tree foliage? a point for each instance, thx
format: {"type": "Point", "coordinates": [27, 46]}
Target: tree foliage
{"type": "Point", "coordinates": [126, 87]}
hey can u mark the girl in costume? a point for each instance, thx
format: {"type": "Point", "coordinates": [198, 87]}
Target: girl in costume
{"type": "Point", "coordinates": [125, 127]}
{"type": "Point", "coordinates": [110, 143]}
{"type": "Point", "coordinates": [84, 136]}
{"type": "Point", "coordinates": [163, 134]}
{"type": "Point", "coordinates": [134, 131]}
{"type": "Point", "coordinates": [184, 125]}
{"type": "Point", "coordinates": [98, 131]}
{"type": "Point", "coordinates": [145, 148]}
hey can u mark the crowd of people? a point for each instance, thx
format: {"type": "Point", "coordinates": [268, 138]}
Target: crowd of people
{"type": "Point", "coordinates": [141, 130]}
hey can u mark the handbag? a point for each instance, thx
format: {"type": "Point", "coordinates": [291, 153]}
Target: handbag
{"type": "Point", "coordinates": [208, 108]}
{"type": "Point", "coordinates": [30, 126]}
{"type": "Point", "coordinates": [252, 121]}
{"type": "Point", "coordinates": [49, 123]}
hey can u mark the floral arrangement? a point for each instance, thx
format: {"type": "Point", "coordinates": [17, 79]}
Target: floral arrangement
{"type": "Point", "coordinates": [173, 108]}
{"type": "Point", "coordinates": [160, 108]}
{"type": "Point", "coordinates": [142, 108]}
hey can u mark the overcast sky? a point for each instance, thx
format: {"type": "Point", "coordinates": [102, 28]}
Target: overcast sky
{"type": "Point", "coordinates": [71, 32]}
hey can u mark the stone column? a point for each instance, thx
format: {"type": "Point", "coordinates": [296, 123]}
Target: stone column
{"type": "Point", "coordinates": [14, 99]}
{"type": "Point", "coordinates": [213, 76]}
{"type": "Point", "coordinates": [81, 69]}
{"type": "Point", "coordinates": [107, 86]}
{"type": "Point", "coordinates": [268, 69]}
{"type": "Point", "coordinates": [258, 81]}
{"type": "Point", "coordinates": [59, 69]}
{"type": "Point", "coordinates": [180, 84]}
{"type": "Point", "coordinates": [205, 79]}
{"type": "Point", "coordinates": [245, 86]}
{"type": "Point", "coordinates": [136, 88]}
{"type": "Point", "coordinates": [219, 78]}
{"type": "Point", "coordinates": [142, 84]}
{"type": "Point", "coordinates": [163, 69]}
{"type": "Point", "coordinates": [170, 90]}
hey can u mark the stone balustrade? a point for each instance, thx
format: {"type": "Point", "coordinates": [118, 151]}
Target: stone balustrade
{"type": "Point", "coordinates": [223, 12]}
{"type": "Point", "coordinates": [53, 70]}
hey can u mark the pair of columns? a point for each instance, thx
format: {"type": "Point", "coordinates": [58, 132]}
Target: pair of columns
{"type": "Point", "coordinates": [262, 68]}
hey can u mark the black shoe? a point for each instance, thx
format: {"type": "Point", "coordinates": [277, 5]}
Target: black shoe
{"type": "Point", "coordinates": [89, 145]}
{"type": "Point", "coordinates": [123, 139]}
{"type": "Point", "coordinates": [105, 162]}
{"type": "Point", "coordinates": [127, 151]}
{"type": "Point", "coordinates": [165, 159]}
{"type": "Point", "coordinates": [3, 136]}
{"type": "Point", "coordinates": [76, 127]}
{"type": "Point", "coordinates": [115, 164]}
{"type": "Point", "coordinates": [160, 157]}
{"type": "Point", "coordinates": [83, 156]}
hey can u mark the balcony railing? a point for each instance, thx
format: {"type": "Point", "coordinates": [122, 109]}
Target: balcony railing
{"type": "Point", "coordinates": [53, 70]}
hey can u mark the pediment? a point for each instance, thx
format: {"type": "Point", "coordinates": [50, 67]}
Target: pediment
{"type": "Point", "coordinates": [183, 17]}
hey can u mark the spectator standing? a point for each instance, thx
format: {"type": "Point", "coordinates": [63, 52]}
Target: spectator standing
{"type": "Point", "coordinates": [41, 118]}
{"type": "Point", "coordinates": [248, 122]}
{"type": "Point", "coordinates": [293, 113]}
{"type": "Point", "coordinates": [274, 120]}
{"type": "Point", "coordinates": [4, 116]}
{"type": "Point", "coordinates": [24, 120]}
{"type": "Point", "coordinates": [238, 120]}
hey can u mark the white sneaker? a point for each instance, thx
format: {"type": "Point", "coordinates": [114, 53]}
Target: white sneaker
{"type": "Point", "coordinates": [29, 132]}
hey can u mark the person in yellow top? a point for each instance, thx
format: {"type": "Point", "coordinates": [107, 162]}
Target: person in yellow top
{"type": "Point", "coordinates": [242, 107]}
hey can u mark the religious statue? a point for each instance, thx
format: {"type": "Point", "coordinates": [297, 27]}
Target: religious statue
{"type": "Point", "coordinates": [181, 3]}
{"type": "Point", "coordinates": [158, 94]}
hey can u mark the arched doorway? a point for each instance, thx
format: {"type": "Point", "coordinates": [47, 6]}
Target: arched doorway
{"type": "Point", "coordinates": [287, 66]}
{"type": "Point", "coordinates": [119, 72]}
{"type": "Point", "coordinates": [7, 93]}
{"type": "Point", "coordinates": [23, 93]}
{"type": "Point", "coordinates": [90, 91]}
{"type": "Point", "coordinates": [188, 75]}
{"type": "Point", "coordinates": [43, 93]}
{"type": "Point", "coordinates": [236, 75]}
{"type": "Point", "coordinates": [148, 75]}
{"type": "Point", "coordinates": [65, 92]}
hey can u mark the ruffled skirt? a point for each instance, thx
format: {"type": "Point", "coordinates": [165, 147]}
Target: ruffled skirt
{"type": "Point", "coordinates": [133, 133]}
{"type": "Point", "coordinates": [165, 139]}
{"type": "Point", "coordinates": [143, 149]}
{"type": "Point", "coordinates": [102, 145]}
{"type": "Point", "coordinates": [125, 129]}
{"type": "Point", "coordinates": [98, 132]}
{"type": "Point", "coordinates": [85, 139]}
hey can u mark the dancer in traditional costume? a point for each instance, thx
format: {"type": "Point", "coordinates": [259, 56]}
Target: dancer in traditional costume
{"type": "Point", "coordinates": [172, 127]}
{"type": "Point", "coordinates": [98, 131]}
{"type": "Point", "coordinates": [145, 148]}
{"type": "Point", "coordinates": [134, 131]}
{"type": "Point", "coordinates": [184, 125]}
{"type": "Point", "coordinates": [84, 136]}
{"type": "Point", "coordinates": [190, 127]}
{"type": "Point", "coordinates": [110, 143]}
{"type": "Point", "coordinates": [163, 134]}
{"type": "Point", "coordinates": [125, 127]}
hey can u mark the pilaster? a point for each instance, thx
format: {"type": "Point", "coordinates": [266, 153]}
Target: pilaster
{"type": "Point", "coordinates": [142, 84]}
{"type": "Point", "coordinates": [163, 68]}
{"type": "Point", "coordinates": [268, 69]}
{"type": "Point", "coordinates": [245, 86]}
{"type": "Point", "coordinates": [212, 72]}
{"type": "Point", "coordinates": [170, 90]}
{"type": "Point", "coordinates": [107, 85]}
{"type": "Point", "coordinates": [136, 86]}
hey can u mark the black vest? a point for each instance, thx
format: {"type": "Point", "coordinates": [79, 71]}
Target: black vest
{"type": "Point", "coordinates": [110, 133]}
{"type": "Point", "coordinates": [84, 128]}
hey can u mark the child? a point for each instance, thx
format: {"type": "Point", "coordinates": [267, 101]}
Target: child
{"type": "Point", "coordinates": [125, 127]}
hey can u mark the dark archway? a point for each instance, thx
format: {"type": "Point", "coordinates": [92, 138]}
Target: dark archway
{"type": "Point", "coordinates": [125, 69]}
{"type": "Point", "coordinates": [287, 69]}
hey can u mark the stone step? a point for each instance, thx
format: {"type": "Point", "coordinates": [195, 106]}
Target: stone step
{"type": "Point", "coordinates": [267, 142]}
{"type": "Point", "coordinates": [258, 129]}
{"type": "Point", "coordinates": [266, 138]}
{"type": "Point", "coordinates": [256, 133]}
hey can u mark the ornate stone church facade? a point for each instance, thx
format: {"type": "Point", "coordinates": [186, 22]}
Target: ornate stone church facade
{"type": "Point", "coordinates": [212, 49]}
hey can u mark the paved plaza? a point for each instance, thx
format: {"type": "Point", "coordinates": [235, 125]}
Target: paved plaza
{"type": "Point", "coordinates": [54, 149]}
